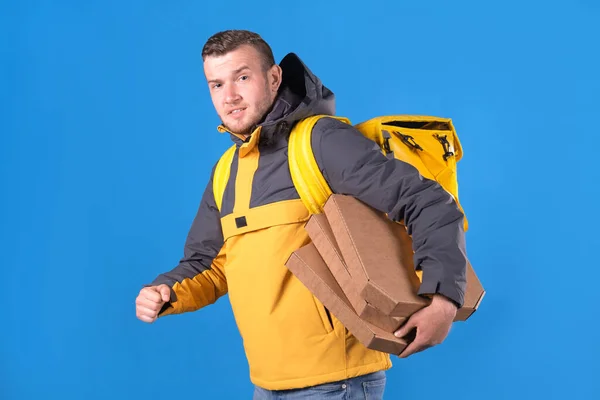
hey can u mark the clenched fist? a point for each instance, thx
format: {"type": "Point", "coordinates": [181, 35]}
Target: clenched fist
{"type": "Point", "coordinates": [150, 301]}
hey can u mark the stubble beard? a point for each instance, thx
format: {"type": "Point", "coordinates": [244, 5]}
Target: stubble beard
{"type": "Point", "coordinates": [245, 129]}
{"type": "Point", "coordinates": [263, 109]}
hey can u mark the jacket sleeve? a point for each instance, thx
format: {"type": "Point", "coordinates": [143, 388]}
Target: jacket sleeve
{"type": "Point", "coordinates": [354, 165]}
{"type": "Point", "coordinates": [199, 279]}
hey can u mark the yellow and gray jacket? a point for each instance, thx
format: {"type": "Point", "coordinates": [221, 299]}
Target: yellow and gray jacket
{"type": "Point", "coordinates": [290, 339]}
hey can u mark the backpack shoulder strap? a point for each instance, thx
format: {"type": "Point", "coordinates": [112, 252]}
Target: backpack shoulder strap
{"type": "Point", "coordinates": [306, 175]}
{"type": "Point", "coordinates": [221, 175]}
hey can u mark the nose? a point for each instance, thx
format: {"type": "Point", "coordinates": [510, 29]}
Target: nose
{"type": "Point", "coordinates": [231, 94]}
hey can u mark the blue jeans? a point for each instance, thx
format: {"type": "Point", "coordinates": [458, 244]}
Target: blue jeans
{"type": "Point", "coordinates": [366, 387]}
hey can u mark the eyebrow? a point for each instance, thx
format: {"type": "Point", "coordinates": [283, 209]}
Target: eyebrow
{"type": "Point", "coordinates": [237, 71]}
{"type": "Point", "coordinates": [240, 69]}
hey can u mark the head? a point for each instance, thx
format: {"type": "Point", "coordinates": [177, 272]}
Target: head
{"type": "Point", "coordinates": [243, 79]}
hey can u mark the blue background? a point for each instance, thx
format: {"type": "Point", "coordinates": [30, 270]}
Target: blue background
{"type": "Point", "coordinates": [108, 136]}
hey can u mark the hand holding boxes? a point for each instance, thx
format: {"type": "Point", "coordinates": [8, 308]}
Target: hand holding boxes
{"type": "Point", "coordinates": [360, 266]}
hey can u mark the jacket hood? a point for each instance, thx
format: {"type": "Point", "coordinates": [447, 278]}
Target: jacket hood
{"type": "Point", "coordinates": [301, 95]}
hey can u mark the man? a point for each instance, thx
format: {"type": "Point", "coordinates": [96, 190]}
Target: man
{"type": "Point", "coordinates": [293, 344]}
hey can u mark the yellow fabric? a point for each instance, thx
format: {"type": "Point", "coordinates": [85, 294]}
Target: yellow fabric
{"type": "Point", "coordinates": [430, 162]}
{"type": "Point", "coordinates": [203, 289]}
{"type": "Point", "coordinates": [250, 145]}
{"type": "Point", "coordinates": [288, 339]}
{"type": "Point", "coordinates": [247, 166]}
{"type": "Point", "coordinates": [221, 175]}
{"type": "Point", "coordinates": [307, 177]}
{"type": "Point", "coordinates": [287, 336]}
{"type": "Point", "coordinates": [280, 213]}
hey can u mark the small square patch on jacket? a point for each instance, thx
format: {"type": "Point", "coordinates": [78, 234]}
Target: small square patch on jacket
{"type": "Point", "coordinates": [240, 222]}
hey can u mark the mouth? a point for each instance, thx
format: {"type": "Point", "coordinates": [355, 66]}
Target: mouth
{"type": "Point", "coordinates": [236, 111]}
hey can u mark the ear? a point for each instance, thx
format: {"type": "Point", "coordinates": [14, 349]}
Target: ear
{"type": "Point", "coordinates": [275, 75]}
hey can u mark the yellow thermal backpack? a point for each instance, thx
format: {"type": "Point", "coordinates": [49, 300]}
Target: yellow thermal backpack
{"type": "Point", "coordinates": [428, 143]}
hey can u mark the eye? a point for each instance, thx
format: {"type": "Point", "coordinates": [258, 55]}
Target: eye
{"type": "Point", "coordinates": [244, 77]}
{"type": "Point", "coordinates": [216, 85]}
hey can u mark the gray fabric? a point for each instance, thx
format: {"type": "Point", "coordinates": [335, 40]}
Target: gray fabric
{"type": "Point", "coordinates": [354, 165]}
{"type": "Point", "coordinates": [272, 180]}
{"type": "Point", "coordinates": [303, 92]}
{"type": "Point", "coordinates": [203, 243]}
{"type": "Point", "coordinates": [301, 95]}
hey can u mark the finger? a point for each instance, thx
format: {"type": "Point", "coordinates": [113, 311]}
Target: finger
{"type": "Point", "coordinates": [146, 312]}
{"type": "Point", "coordinates": [148, 304]}
{"type": "Point", "coordinates": [423, 348]}
{"type": "Point", "coordinates": [165, 292]}
{"type": "Point", "coordinates": [411, 349]}
{"type": "Point", "coordinates": [145, 318]}
{"type": "Point", "coordinates": [407, 327]}
{"type": "Point", "coordinates": [152, 294]}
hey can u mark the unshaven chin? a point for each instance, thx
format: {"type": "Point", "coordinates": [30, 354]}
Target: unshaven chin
{"type": "Point", "coordinates": [248, 128]}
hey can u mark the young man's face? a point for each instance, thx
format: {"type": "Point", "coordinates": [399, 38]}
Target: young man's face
{"type": "Point", "coordinates": [240, 88]}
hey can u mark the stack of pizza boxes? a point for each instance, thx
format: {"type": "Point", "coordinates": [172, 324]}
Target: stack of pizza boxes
{"type": "Point", "coordinates": [359, 264]}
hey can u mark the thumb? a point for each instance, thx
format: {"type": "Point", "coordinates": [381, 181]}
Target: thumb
{"type": "Point", "coordinates": [165, 292]}
{"type": "Point", "coordinates": [406, 328]}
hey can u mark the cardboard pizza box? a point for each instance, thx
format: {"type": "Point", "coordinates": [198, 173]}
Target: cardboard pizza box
{"type": "Point", "coordinates": [308, 266]}
{"type": "Point", "coordinates": [379, 259]}
{"type": "Point", "coordinates": [322, 236]}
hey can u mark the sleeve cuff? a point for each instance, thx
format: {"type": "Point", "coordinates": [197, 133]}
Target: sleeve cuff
{"type": "Point", "coordinates": [450, 291]}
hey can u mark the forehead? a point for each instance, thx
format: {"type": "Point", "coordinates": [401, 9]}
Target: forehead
{"type": "Point", "coordinates": [226, 64]}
